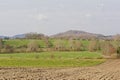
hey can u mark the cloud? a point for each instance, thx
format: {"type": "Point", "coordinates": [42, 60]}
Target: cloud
{"type": "Point", "coordinates": [39, 17]}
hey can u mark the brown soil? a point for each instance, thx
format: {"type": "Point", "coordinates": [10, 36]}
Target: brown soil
{"type": "Point", "coordinates": [109, 70]}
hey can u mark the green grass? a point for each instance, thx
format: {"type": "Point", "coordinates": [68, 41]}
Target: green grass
{"type": "Point", "coordinates": [16, 43]}
{"type": "Point", "coordinates": [50, 59]}
{"type": "Point", "coordinates": [48, 62]}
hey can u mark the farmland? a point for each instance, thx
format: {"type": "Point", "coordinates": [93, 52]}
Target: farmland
{"type": "Point", "coordinates": [46, 65]}
{"type": "Point", "coordinates": [59, 40]}
{"type": "Point", "coordinates": [51, 59]}
{"type": "Point", "coordinates": [105, 71]}
{"type": "Point", "coordinates": [59, 59]}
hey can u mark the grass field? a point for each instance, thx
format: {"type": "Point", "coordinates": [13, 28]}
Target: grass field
{"type": "Point", "coordinates": [51, 59]}
{"type": "Point", "coordinates": [16, 43]}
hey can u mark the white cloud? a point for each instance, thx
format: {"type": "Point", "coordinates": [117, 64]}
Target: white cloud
{"type": "Point", "coordinates": [39, 17]}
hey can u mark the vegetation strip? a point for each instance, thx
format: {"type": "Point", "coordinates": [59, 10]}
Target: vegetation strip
{"type": "Point", "coordinates": [54, 59]}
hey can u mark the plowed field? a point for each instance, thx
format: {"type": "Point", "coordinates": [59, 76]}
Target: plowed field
{"type": "Point", "coordinates": [110, 70]}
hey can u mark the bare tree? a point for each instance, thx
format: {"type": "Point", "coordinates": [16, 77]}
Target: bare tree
{"type": "Point", "coordinates": [1, 43]}
{"type": "Point", "coordinates": [32, 46]}
{"type": "Point", "coordinates": [48, 43]}
{"type": "Point", "coordinates": [75, 45]}
{"type": "Point", "coordinates": [34, 36]}
{"type": "Point", "coordinates": [94, 45]}
{"type": "Point", "coordinates": [59, 45]}
{"type": "Point", "coordinates": [117, 37]}
{"type": "Point", "coordinates": [108, 49]}
{"type": "Point", "coordinates": [7, 49]}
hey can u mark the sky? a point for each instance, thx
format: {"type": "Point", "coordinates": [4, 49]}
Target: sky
{"type": "Point", "coordinates": [53, 16]}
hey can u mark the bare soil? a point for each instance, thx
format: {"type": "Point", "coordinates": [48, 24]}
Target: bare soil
{"type": "Point", "coordinates": [110, 70]}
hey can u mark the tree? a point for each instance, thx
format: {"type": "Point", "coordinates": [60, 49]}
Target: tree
{"type": "Point", "coordinates": [118, 52]}
{"type": "Point", "coordinates": [7, 49]}
{"type": "Point", "coordinates": [32, 46]}
{"type": "Point", "coordinates": [1, 43]}
{"type": "Point", "coordinates": [94, 45]}
{"type": "Point", "coordinates": [48, 43]}
{"type": "Point", "coordinates": [34, 36]}
{"type": "Point", "coordinates": [75, 45]}
{"type": "Point", "coordinates": [117, 37]}
{"type": "Point", "coordinates": [59, 45]}
{"type": "Point", "coordinates": [108, 49]}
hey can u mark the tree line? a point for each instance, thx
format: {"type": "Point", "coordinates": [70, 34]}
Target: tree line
{"type": "Point", "coordinates": [106, 47]}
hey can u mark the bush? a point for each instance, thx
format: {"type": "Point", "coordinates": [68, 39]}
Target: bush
{"type": "Point", "coordinates": [7, 49]}
{"type": "Point", "coordinates": [59, 46]}
{"type": "Point", "coordinates": [109, 50]}
{"type": "Point", "coordinates": [32, 46]}
{"type": "Point", "coordinates": [1, 43]}
{"type": "Point", "coordinates": [75, 45]}
{"type": "Point", "coordinates": [19, 50]}
{"type": "Point", "coordinates": [93, 46]}
{"type": "Point", "coordinates": [118, 52]}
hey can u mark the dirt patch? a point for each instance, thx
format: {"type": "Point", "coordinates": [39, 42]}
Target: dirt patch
{"type": "Point", "coordinates": [109, 70]}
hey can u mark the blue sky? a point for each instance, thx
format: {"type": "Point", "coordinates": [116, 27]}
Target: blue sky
{"type": "Point", "coordinates": [53, 16]}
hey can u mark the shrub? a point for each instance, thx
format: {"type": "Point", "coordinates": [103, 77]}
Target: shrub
{"type": "Point", "coordinates": [19, 50]}
{"type": "Point", "coordinates": [59, 45]}
{"type": "Point", "coordinates": [118, 52]}
{"type": "Point", "coordinates": [7, 49]}
{"type": "Point", "coordinates": [75, 45]}
{"type": "Point", "coordinates": [32, 46]}
{"type": "Point", "coordinates": [1, 43]}
{"type": "Point", "coordinates": [108, 49]}
{"type": "Point", "coordinates": [48, 43]}
{"type": "Point", "coordinates": [93, 46]}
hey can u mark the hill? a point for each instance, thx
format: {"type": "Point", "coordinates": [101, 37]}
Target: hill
{"type": "Point", "coordinates": [76, 34]}
{"type": "Point", "coordinates": [71, 34]}
{"type": "Point", "coordinates": [3, 37]}
{"type": "Point", "coordinates": [19, 36]}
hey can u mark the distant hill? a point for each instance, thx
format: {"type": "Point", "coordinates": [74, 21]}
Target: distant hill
{"type": "Point", "coordinates": [76, 34]}
{"type": "Point", "coordinates": [71, 34]}
{"type": "Point", "coordinates": [2, 37]}
{"type": "Point", "coordinates": [30, 35]}
{"type": "Point", "coordinates": [19, 36]}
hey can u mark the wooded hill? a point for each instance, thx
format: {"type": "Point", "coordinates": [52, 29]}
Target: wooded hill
{"type": "Point", "coordinates": [71, 34]}
{"type": "Point", "coordinates": [76, 34]}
